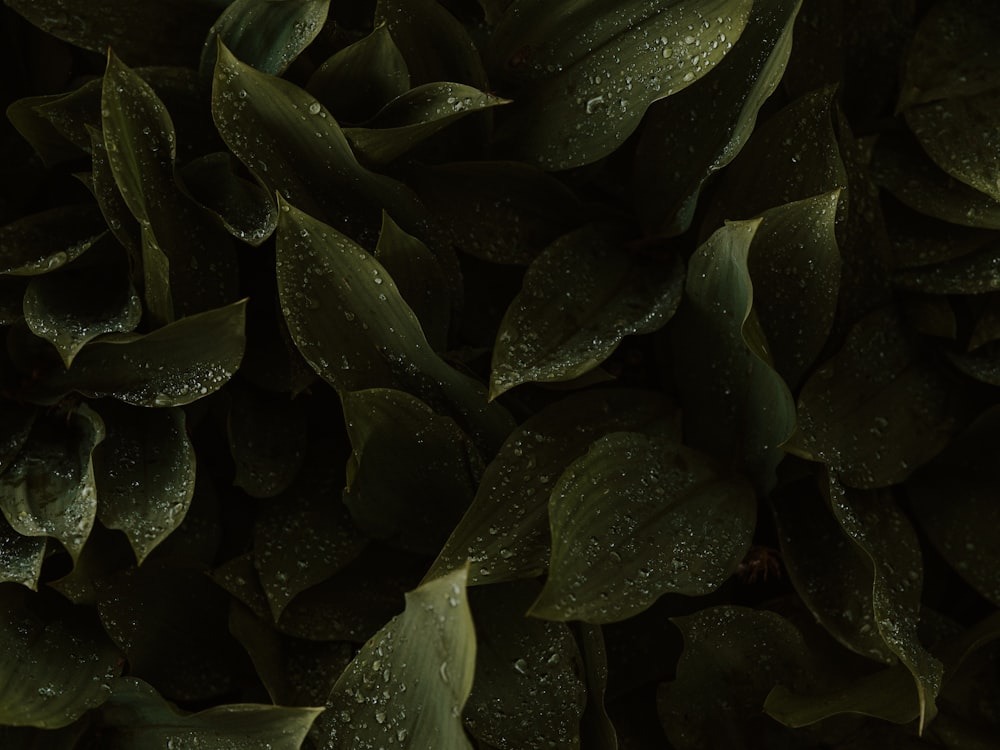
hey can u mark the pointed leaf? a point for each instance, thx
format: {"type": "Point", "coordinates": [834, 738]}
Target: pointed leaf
{"type": "Point", "coordinates": [171, 366]}
{"type": "Point", "coordinates": [265, 34]}
{"type": "Point", "coordinates": [48, 490]}
{"type": "Point", "coordinates": [580, 298]}
{"type": "Point", "coordinates": [609, 65]}
{"type": "Point", "coordinates": [409, 683]}
{"type": "Point", "coordinates": [43, 242]}
{"type": "Point", "coordinates": [636, 518]}
{"type": "Point", "coordinates": [144, 472]}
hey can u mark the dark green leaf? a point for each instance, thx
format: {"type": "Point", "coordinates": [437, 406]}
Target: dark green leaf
{"type": "Point", "coordinates": [16, 421]}
{"type": "Point", "coordinates": [43, 242]}
{"type": "Point", "coordinates": [409, 683]}
{"type": "Point", "coordinates": [137, 718]}
{"type": "Point", "coordinates": [528, 691]}
{"type": "Point", "coordinates": [54, 672]}
{"type": "Point", "coordinates": [580, 298]}
{"type": "Point", "coordinates": [171, 366]}
{"type": "Point", "coordinates": [595, 69]}
{"type": "Point", "coordinates": [265, 34]}
{"type": "Point", "coordinates": [977, 272]}
{"type": "Point", "coordinates": [505, 530]}
{"type": "Point", "coordinates": [635, 518]}
{"type": "Point", "coordinates": [983, 364]}
{"type": "Point", "coordinates": [21, 557]}
{"type": "Point", "coordinates": [47, 140]}
{"type": "Point", "coordinates": [688, 137]}
{"type": "Point", "coordinates": [48, 490]}
{"type": "Point", "coordinates": [12, 290]}
{"type": "Point", "coordinates": [597, 729]}
{"type": "Point", "coordinates": [144, 471]}
{"type": "Point", "coordinates": [412, 473]}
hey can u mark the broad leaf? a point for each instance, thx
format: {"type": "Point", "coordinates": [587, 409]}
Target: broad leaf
{"type": "Point", "coordinates": [974, 273]}
{"type": "Point", "coordinates": [21, 557]}
{"type": "Point", "coordinates": [43, 242]}
{"type": "Point", "coordinates": [144, 471]}
{"type": "Point", "coordinates": [265, 34]}
{"type": "Point", "coordinates": [48, 490]}
{"type": "Point", "coordinates": [594, 70]}
{"type": "Point", "coordinates": [410, 681]}
{"type": "Point", "coordinates": [171, 366]}
{"type": "Point", "coordinates": [580, 298]}
{"type": "Point", "coordinates": [505, 531]}
{"type": "Point", "coordinates": [636, 518]}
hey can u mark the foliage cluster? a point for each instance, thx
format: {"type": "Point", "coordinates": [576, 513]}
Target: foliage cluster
{"type": "Point", "coordinates": [500, 374]}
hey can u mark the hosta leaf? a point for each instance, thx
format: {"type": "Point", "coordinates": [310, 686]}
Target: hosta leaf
{"type": "Point", "coordinates": [635, 518]}
{"type": "Point", "coordinates": [732, 658]}
{"type": "Point", "coordinates": [48, 490]}
{"type": "Point", "coordinates": [43, 242]}
{"type": "Point", "coordinates": [21, 557]}
{"type": "Point", "coordinates": [361, 78]}
{"type": "Point", "coordinates": [16, 421]}
{"type": "Point", "coordinates": [505, 530]}
{"type": "Point", "coordinates": [348, 320]}
{"type": "Point", "coordinates": [54, 672]}
{"type": "Point", "coordinates": [293, 146]}
{"type": "Point", "coordinates": [47, 140]}
{"type": "Point", "coordinates": [740, 407]}
{"type": "Point", "coordinates": [580, 298]}
{"type": "Point", "coordinates": [119, 219]}
{"type": "Point", "coordinates": [597, 725]}
{"type": "Point", "coordinates": [412, 473]}
{"type": "Point", "coordinates": [65, 309]}
{"type": "Point", "coordinates": [136, 717]}
{"type": "Point", "coordinates": [415, 116]}
{"type": "Point", "coordinates": [884, 534]}
{"type": "Point", "coordinates": [699, 133]}
{"type": "Point", "coordinates": [877, 409]}
{"type": "Point", "coordinates": [952, 498]}
{"type": "Point", "coordinates": [144, 471]}
{"type": "Point", "coordinates": [265, 34]}
{"type": "Point", "coordinates": [609, 65]}
{"type": "Point", "coordinates": [171, 366]}
{"type": "Point", "coordinates": [974, 273]}
{"type": "Point", "coordinates": [528, 690]}
{"type": "Point", "coordinates": [410, 681]}
{"type": "Point", "coordinates": [12, 290]}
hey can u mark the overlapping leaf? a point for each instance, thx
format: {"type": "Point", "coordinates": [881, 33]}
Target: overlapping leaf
{"type": "Point", "coordinates": [45, 241]}
{"type": "Point", "coordinates": [21, 557]}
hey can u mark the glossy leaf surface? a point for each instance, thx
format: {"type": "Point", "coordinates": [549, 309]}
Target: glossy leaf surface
{"type": "Point", "coordinates": [45, 241]}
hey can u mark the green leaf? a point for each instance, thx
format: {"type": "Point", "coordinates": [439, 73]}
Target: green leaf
{"type": "Point", "coordinates": [21, 557]}
{"type": "Point", "coordinates": [580, 298]}
{"type": "Point", "coordinates": [594, 70]}
{"type": "Point", "coordinates": [136, 718]}
{"type": "Point", "coordinates": [884, 534]}
{"type": "Point", "coordinates": [737, 405]}
{"type": "Point", "coordinates": [952, 499]}
{"type": "Point", "coordinates": [265, 34]}
{"type": "Point", "coordinates": [688, 137]}
{"type": "Point", "coordinates": [505, 530]}
{"type": "Point", "coordinates": [596, 724]}
{"type": "Point", "coordinates": [172, 366]}
{"type": "Point", "coordinates": [635, 518]}
{"type": "Point", "coordinates": [411, 474]}
{"type": "Point", "coordinates": [117, 216]}
{"type": "Point", "coordinates": [349, 322]}
{"type": "Point", "coordinates": [292, 145]}
{"type": "Point", "coordinates": [356, 82]}
{"type": "Point", "coordinates": [528, 690]}
{"type": "Point", "coordinates": [415, 116]}
{"type": "Point", "coordinates": [12, 290]}
{"type": "Point", "coordinates": [28, 118]}
{"type": "Point", "coordinates": [500, 211]}
{"type": "Point", "coordinates": [410, 681]}
{"type": "Point", "coordinates": [45, 241]}
{"type": "Point", "coordinates": [48, 490]}
{"type": "Point", "coordinates": [64, 309]}
{"type": "Point", "coordinates": [973, 273]}
{"type": "Point", "coordinates": [54, 672]}
{"type": "Point", "coordinates": [733, 656]}
{"type": "Point", "coordinates": [877, 409]}
{"type": "Point", "coordinates": [16, 421]}
{"type": "Point", "coordinates": [144, 471]}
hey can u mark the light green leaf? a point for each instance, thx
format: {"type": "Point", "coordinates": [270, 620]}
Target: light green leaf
{"type": "Point", "coordinates": [348, 320]}
{"type": "Point", "coordinates": [410, 681]}
{"type": "Point", "coordinates": [53, 672]}
{"type": "Point", "coordinates": [144, 471]}
{"type": "Point", "coordinates": [137, 718]}
{"type": "Point", "coordinates": [48, 490]}
{"type": "Point", "coordinates": [171, 366]}
{"type": "Point", "coordinates": [411, 474]}
{"type": "Point", "coordinates": [737, 405]}
{"type": "Point", "coordinates": [594, 69]}
{"type": "Point", "coordinates": [688, 137]}
{"type": "Point", "coordinates": [635, 518]}
{"type": "Point", "coordinates": [505, 530]}
{"type": "Point", "coordinates": [580, 298]}
{"type": "Point", "coordinates": [42, 242]}
{"type": "Point", "coordinates": [266, 34]}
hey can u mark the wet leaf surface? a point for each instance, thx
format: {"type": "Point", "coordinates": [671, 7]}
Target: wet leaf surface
{"type": "Point", "coordinates": [43, 242]}
{"type": "Point", "coordinates": [21, 557]}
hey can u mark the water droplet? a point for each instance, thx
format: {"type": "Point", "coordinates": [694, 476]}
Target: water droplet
{"type": "Point", "coordinates": [314, 108]}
